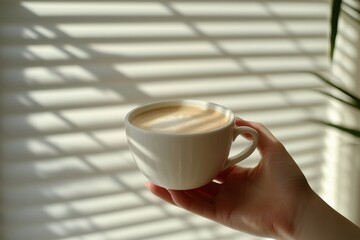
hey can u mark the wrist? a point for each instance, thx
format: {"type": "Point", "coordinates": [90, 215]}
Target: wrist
{"type": "Point", "coordinates": [306, 215]}
{"type": "Point", "coordinates": [316, 220]}
{"type": "Point", "coordinates": [303, 206]}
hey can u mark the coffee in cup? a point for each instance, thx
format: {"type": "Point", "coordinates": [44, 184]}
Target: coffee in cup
{"type": "Point", "coordinates": [180, 119]}
{"type": "Point", "coordinates": [184, 144]}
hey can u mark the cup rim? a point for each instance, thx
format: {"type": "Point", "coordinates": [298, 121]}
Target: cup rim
{"type": "Point", "coordinates": [201, 103]}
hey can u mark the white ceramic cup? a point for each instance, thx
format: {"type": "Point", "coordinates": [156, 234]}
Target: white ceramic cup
{"type": "Point", "coordinates": [189, 160]}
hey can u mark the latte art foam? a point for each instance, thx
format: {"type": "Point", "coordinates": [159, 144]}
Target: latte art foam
{"type": "Point", "coordinates": [167, 123]}
{"type": "Point", "coordinates": [180, 119]}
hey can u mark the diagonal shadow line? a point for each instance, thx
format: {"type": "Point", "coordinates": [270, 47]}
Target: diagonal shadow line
{"type": "Point", "coordinates": [142, 222]}
{"type": "Point", "coordinates": [223, 52]}
{"type": "Point", "coordinates": [268, 9]}
{"type": "Point", "coordinates": [109, 59]}
{"type": "Point", "coordinates": [177, 216]}
{"type": "Point", "coordinates": [127, 81]}
{"type": "Point", "coordinates": [57, 31]}
{"type": "Point", "coordinates": [16, 159]}
{"type": "Point", "coordinates": [155, 19]}
{"type": "Point", "coordinates": [154, 39]}
{"type": "Point", "coordinates": [73, 126]}
{"type": "Point", "coordinates": [126, 189]}
{"type": "Point", "coordinates": [289, 139]}
{"type": "Point", "coordinates": [119, 124]}
{"type": "Point", "coordinates": [200, 33]}
{"type": "Point", "coordinates": [38, 108]}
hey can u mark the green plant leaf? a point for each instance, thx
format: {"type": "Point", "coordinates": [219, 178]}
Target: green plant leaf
{"type": "Point", "coordinates": [355, 101]}
{"type": "Point", "coordinates": [352, 10]}
{"type": "Point", "coordinates": [354, 7]}
{"type": "Point", "coordinates": [351, 131]}
{"type": "Point", "coordinates": [335, 13]}
{"type": "Point", "coordinates": [351, 104]}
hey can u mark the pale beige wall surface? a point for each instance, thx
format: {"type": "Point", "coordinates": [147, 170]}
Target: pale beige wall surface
{"type": "Point", "coordinates": [70, 71]}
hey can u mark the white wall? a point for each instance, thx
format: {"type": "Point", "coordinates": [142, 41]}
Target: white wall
{"type": "Point", "coordinates": [70, 71]}
{"type": "Point", "coordinates": [342, 166]}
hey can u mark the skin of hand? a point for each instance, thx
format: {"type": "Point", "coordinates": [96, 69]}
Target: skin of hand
{"type": "Point", "coordinates": [261, 200]}
{"type": "Point", "coordinates": [272, 199]}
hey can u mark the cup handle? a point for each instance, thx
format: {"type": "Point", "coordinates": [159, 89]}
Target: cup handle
{"type": "Point", "coordinates": [248, 150]}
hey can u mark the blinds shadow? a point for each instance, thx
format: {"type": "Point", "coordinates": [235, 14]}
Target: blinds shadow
{"type": "Point", "coordinates": [71, 71]}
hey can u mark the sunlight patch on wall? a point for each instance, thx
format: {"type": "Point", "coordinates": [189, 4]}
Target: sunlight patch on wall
{"type": "Point", "coordinates": [72, 70]}
{"type": "Point", "coordinates": [122, 30]}
{"type": "Point", "coordinates": [178, 68]}
{"type": "Point", "coordinates": [252, 9]}
{"type": "Point", "coordinates": [61, 97]}
{"type": "Point", "coordinates": [79, 9]}
{"type": "Point", "coordinates": [156, 49]}
{"type": "Point", "coordinates": [45, 76]}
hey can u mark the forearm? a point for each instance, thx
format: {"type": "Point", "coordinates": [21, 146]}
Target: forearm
{"type": "Point", "coordinates": [317, 220]}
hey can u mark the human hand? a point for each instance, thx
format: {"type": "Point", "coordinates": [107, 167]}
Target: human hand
{"type": "Point", "coordinates": [263, 200]}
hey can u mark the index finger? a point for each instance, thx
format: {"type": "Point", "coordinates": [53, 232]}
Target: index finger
{"type": "Point", "coordinates": [267, 141]}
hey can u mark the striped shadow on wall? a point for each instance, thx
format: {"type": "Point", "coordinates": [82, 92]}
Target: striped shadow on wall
{"type": "Point", "coordinates": [70, 71]}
